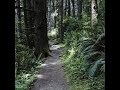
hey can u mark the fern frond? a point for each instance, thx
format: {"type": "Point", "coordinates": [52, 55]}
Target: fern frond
{"type": "Point", "coordinates": [96, 67]}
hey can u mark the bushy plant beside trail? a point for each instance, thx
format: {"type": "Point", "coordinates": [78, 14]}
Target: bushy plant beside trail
{"type": "Point", "coordinates": [26, 67]}
{"type": "Point", "coordinates": [84, 60]}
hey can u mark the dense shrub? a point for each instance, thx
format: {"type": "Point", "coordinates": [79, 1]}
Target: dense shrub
{"type": "Point", "coordinates": [71, 24]}
{"type": "Point", "coordinates": [84, 60]}
{"type": "Point", "coordinates": [26, 64]}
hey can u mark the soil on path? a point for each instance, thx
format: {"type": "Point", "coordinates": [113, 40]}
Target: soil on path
{"type": "Point", "coordinates": [51, 75]}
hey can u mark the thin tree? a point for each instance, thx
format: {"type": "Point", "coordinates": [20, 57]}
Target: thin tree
{"type": "Point", "coordinates": [65, 10]}
{"type": "Point", "coordinates": [55, 11]}
{"type": "Point", "coordinates": [69, 8]}
{"type": "Point", "coordinates": [79, 8]}
{"type": "Point", "coordinates": [73, 9]}
{"type": "Point", "coordinates": [61, 27]}
{"type": "Point", "coordinates": [19, 18]}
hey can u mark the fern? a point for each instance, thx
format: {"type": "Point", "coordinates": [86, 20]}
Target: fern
{"type": "Point", "coordinates": [96, 67]}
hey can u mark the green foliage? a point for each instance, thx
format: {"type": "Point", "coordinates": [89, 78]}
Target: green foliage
{"type": "Point", "coordinates": [83, 58]}
{"type": "Point", "coordinates": [96, 67]}
{"type": "Point", "coordinates": [85, 21]}
{"type": "Point", "coordinates": [53, 35]}
{"type": "Point", "coordinates": [24, 57]}
{"type": "Point", "coordinates": [89, 84]}
{"type": "Point", "coordinates": [26, 65]}
{"type": "Point", "coordinates": [25, 78]}
{"type": "Point", "coordinates": [23, 81]}
{"type": "Point", "coordinates": [71, 23]}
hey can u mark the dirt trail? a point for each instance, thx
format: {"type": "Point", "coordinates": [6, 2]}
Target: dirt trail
{"type": "Point", "coordinates": [51, 75]}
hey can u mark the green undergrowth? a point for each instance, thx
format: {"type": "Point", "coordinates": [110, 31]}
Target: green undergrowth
{"type": "Point", "coordinates": [84, 60]}
{"type": "Point", "coordinates": [26, 67]}
{"type": "Point", "coordinates": [53, 35]}
{"type": "Point", "coordinates": [24, 79]}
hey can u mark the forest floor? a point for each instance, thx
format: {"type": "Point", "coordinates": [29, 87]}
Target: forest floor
{"type": "Point", "coordinates": [51, 75]}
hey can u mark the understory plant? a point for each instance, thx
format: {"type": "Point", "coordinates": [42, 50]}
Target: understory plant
{"type": "Point", "coordinates": [84, 60]}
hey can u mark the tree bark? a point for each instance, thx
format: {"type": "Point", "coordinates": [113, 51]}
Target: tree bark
{"type": "Point", "coordinates": [19, 18]}
{"type": "Point", "coordinates": [61, 29]}
{"type": "Point", "coordinates": [69, 8]}
{"type": "Point", "coordinates": [54, 9]}
{"type": "Point", "coordinates": [79, 8]}
{"type": "Point", "coordinates": [73, 10]}
{"type": "Point", "coordinates": [41, 40]}
{"type": "Point", "coordinates": [28, 19]}
{"type": "Point", "coordinates": [49, 15]}
{"type": "Point", "coordinates": [65, 10]}
{"type": "Point", "coordinates": [94, 13]}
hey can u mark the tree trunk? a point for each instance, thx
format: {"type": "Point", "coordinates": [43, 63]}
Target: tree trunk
{"type": "Point", "coordinates": [59, 17]}
{"type": "Point", "coordinates": [79, 8]}
{"type": "Point", "coordinates": [61, 29]}
{"type": "Point", "coordinates": [19, 18]}
{"type": "Point", "coordinates": [49, 15]}
{"type": "Point", "coordinates": [69, 8]}
{"type": "Point", "coordinates": [55, 22]}
{"type": "Point", "coordinates": [29, 24]}
{"type": "Point", "coordinates": [65, 10]}
{"type": "Point", "coordinates": [41, 42]}
{"type": "Point", "coordinates": [73, 10]}
{"type": "Point", "coordinates": [25, 22]}
{"type": "Point", "coordinates": [94, 12]}
{"type": "Point", "coordinates": [54, 9]}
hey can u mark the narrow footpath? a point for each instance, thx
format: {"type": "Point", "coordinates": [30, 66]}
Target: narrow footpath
{"type": "Point", "coordinates": [51, 75]}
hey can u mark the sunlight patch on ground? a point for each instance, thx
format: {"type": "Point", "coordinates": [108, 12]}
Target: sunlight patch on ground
{"type": "Point", "coordinates": [55, 47]}
{"type": "Point", "coordinates": [44, 65]}
{"type": "Point", "coordinates": [55, 63]}
{"type": "Point", "coordinates": [40, 76]}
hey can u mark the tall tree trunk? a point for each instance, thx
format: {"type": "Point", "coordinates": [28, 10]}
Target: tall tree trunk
{"type": "Point", "coordinates": [73, 10]}
{"type": "Point", "coordinates": [54, 9]}
{"type": "Point", "coordinates": [94, 12]}
{"type": "Point", "coordinates": [79, 8]}
{"type": "Point", "coordinates": [49, 14]}
{"type": "Point", "coordinates": [61, 29]}
{"type": "Point", "coordinates": [19, 18]}
{"type": "Point", "coordinates": [28, 19]}
{"type": "Point", "coordinates": [41, 42]}
{"type": "Point", "coordinates": [69, 8]}
{"type": "Point", "coordinates": [55, 22]}
{"type": "Point", "coordinates": [65, 10]}
{"type": "Point", "coordinates": [25, 22]}
{"type": "Point", "coordinates": [59, 17]}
